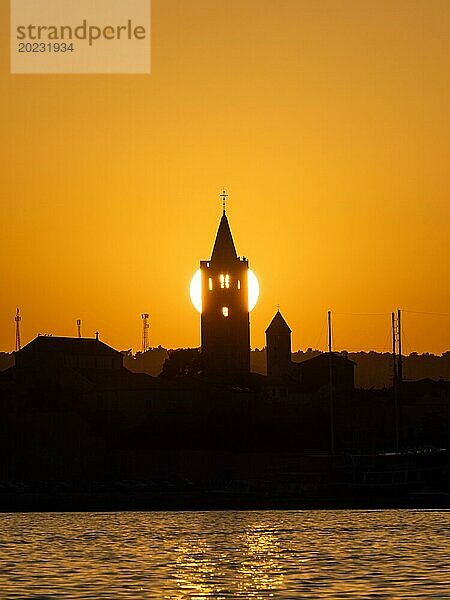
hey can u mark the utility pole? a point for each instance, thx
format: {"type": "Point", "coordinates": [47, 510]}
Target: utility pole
{"type": "Point", "coordinates": [400, 361]}
{"type": "Point", "coordinates": [79, 327]}
{"type": "Point", "coordinates": [399, 372]}
{"type": "Point", "coordinates": [330, 365]}
{"type": "Point", "coordinates": [395, 388]}
{"type": "Point", "coordinates": [17, 319]}
{"type": "Point", "coordinates": [394, 357]}
{"type": "Point", "coordinates": [145, 328]}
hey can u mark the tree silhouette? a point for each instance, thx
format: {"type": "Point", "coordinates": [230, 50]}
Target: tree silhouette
{"type": "Point", "coordinates": [184, 362]}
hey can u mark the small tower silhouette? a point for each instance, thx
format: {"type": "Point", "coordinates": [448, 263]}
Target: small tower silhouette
{"type": "Point", "coordinates": [79, 327]}
{"type": "Point", "coordinates": [145, 328]}
{"type": "Point", "coordinates": [225, 321]}
{"type": "Point", "coordinates": [17, 319]}
{"type": "Point", "coordinates": [278, 342]}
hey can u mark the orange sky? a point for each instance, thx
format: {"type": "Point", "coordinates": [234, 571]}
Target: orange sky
{"type": "Point", "coordinates": [326, 121]}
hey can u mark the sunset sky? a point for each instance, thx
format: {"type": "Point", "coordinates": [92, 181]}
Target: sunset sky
{"type": "Point", "coordinates": [326, 121]}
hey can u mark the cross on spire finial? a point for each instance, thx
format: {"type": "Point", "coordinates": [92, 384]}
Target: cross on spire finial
{"type": "Point", "coordinates": [224, 197]}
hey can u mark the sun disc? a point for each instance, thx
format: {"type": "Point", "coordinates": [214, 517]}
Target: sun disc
{"type": "Point", "coordinates": [253, 290]}
{"type": "Point", "coordinates": [195, 290]}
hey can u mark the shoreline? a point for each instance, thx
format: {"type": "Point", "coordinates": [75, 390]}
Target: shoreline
{"type": "Point", "coordinates": [211, 501]}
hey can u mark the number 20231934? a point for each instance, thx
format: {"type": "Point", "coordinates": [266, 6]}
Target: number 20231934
{"type": "Point", "coordinates": [45, 47]}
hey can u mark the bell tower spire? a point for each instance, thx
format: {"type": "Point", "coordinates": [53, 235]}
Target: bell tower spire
{"type": "Point", "coordinates": [224, 250]}
{"type": "Point", "coordinates": [225, 321]}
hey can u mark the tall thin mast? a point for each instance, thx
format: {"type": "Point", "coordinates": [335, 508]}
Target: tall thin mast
{"type": "Point", "coordinates": [394, 357]}
{"type": "Point", "coordinates": [17, 319]}
{"type": "Point", "coordinates": [400, 361]}
{"type": "Point", "coordinates": [330, 364]}
{"type": "Point", "coordinates": [145, 328]}
{"type": "Point", "coordinates": [394, 387]}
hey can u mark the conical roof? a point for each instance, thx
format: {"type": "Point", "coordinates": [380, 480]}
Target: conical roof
{"type": "Point", "coordinates": [224, 249]}
{"type": "Point", "coordinates": [278, 324]}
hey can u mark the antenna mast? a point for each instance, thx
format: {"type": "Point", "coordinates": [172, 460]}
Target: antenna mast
{"type": "Point", "coordinates": [145, 328]}
{"type": "Point", "coordinates": [400, 359]}
{"type": "Point", "coordinates": [17, 319]}
{"type": "Point", "coordinates": [330, 365]}
{"type": "Point", "coordinates": [394, 357]}
{"type": "Point", "coordinates": [395, 385]}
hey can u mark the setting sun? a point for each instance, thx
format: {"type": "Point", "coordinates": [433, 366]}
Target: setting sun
{"type": "Point", "coordinates": [195, 290]}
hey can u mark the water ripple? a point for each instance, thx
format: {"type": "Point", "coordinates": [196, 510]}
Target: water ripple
{"type": "Point", "coordinates": [250, 555]}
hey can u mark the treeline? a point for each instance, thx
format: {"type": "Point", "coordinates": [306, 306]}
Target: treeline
{"type": "Point", "coordinates": [150, 362]}
{"type": "Point", "coordinates": [373, 369]}
{"type": "Point", "coordinates": [6, 360]}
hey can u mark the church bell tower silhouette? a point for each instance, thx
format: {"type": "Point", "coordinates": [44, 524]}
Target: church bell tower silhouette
{"type": "Point", "coordinates": [225, 320]}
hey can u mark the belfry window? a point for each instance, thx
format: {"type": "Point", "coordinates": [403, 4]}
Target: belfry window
{"type": "Point", "coordinates": [225, 311]}
{"type": "Point", "coordinates": [239, 284]}
{"type": "Point", "coordinates": [224, 281]}
{"type": "Point", "coordinates": [210, 284]}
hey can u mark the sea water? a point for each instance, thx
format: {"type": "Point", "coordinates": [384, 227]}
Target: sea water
{"type": "Point", "coordinates": [230, 554]}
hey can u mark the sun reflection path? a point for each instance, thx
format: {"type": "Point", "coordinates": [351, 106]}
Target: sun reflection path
{"type": "Point", "coordinates": [247, 555]}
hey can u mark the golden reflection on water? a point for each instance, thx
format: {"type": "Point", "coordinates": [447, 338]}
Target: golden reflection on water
{"type": "Point", "coordinates": [261, 565]}
{"type": "Point", "coordinates": [320, 555]}
{"type": "Point", "coordinates": [256, 565]}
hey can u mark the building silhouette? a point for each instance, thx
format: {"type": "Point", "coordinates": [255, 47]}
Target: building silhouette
{"type": "Point", "coordinates": [278, 342]}
{"type": "Point", "coordinates": [53, 352]}
{"type": "Point", "coordinates": [76, 422]}
{"type": "Point", "coordinates": [311, 374]}
{"type": "Point", "coordinates": [225, 321]}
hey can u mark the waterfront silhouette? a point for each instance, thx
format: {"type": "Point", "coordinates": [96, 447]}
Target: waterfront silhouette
{"type": "Point", "coordinates": [85, 425]}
